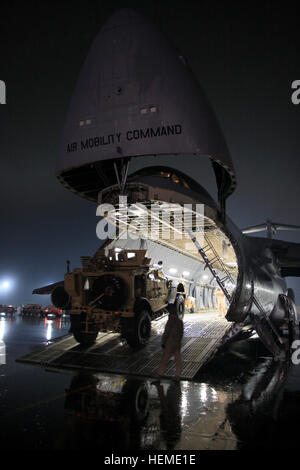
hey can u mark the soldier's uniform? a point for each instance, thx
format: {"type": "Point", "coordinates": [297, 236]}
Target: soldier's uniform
{"type": "Point", "coordinates": [171, 342]}
{"type": "Point", "coordinates": [221, 303]}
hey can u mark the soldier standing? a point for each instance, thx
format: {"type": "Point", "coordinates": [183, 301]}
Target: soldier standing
{"type": "Point", "coordinates": [221, 303]}
{"type": "Point", "coordinates": [171, 343]}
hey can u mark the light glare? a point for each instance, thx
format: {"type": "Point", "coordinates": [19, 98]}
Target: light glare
{"type": "Point", "coordinates": [173, 270]}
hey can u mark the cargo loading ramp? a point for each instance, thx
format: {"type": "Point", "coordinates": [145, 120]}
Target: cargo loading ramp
{"type": "Point", "coordinates": [203, 335]}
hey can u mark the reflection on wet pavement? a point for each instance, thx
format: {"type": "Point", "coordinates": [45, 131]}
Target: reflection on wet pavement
{"type": "Point", "coordinates": [141, 415]}
{"type": "Point", "coordinates": [103, 410]}
{"type": "Point", "coordinates": [241, 400]}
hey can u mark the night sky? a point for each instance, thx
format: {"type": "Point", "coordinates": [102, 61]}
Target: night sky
{"type": "Point", "coordinates": [245, 59]}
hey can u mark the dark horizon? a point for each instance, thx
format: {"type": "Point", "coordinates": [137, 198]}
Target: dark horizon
{"type": "Point", "coordinates": [245, 59]}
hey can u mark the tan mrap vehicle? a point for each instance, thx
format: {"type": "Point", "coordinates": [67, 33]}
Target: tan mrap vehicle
{"type": "Point", "coordinates": [120, 292]}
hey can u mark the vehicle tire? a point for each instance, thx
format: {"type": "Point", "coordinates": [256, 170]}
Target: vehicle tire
{"type": "Point", "coordinates": [135, 399]}
{"type": "Point", "coordinates": [137, 331]}
{"type": "Point", "coordinates": [178, 307]}
{"type": "Point", "coordinates": [77, 329]}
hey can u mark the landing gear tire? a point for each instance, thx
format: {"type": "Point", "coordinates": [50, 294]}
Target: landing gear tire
{"type": "Point", "coordinates": [77, 329]}
{"type": "Point", "coordinates": [290, 321]}
{"type": "Point", "coordinates": [137, 330]}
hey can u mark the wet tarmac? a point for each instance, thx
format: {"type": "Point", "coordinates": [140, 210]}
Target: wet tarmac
{"type": "Point", "coordinates": [240, 400]}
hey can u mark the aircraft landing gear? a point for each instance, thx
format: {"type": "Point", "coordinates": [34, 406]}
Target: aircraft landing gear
{"type": "Point", "coordinates": [290, 321]}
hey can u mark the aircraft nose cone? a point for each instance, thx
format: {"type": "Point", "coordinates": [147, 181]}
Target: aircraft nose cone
{"type": "Point", "coordinates": [123, 17]}
{"type": "Point", "coordinates": [134, 97]}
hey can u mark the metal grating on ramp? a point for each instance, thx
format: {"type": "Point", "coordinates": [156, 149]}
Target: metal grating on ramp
{"type": "Point", "coordinates": [202, 337]}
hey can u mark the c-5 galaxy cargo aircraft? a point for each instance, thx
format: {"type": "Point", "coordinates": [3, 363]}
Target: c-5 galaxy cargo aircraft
{"type": "Point", "coordinates": [136, 97]}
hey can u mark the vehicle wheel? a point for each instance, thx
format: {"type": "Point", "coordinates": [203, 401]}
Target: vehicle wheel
{"type": "Point", "coordinates": [77, 329]}
{"type": "Point", "coordinates": [180, 306]}
{"type": "Point", "coordinates": [135, 399]}
{"type": "Point", "coordinates": [137, 331]}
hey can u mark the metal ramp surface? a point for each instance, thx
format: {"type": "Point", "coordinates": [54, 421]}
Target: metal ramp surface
{"type": "Point", "coordinates": [203, 334]}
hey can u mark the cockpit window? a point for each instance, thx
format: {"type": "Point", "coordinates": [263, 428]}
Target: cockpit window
{"type": "Point", "coordinates": [164, 172]}
{"type": "Point", "coordinates": [175, 178]}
